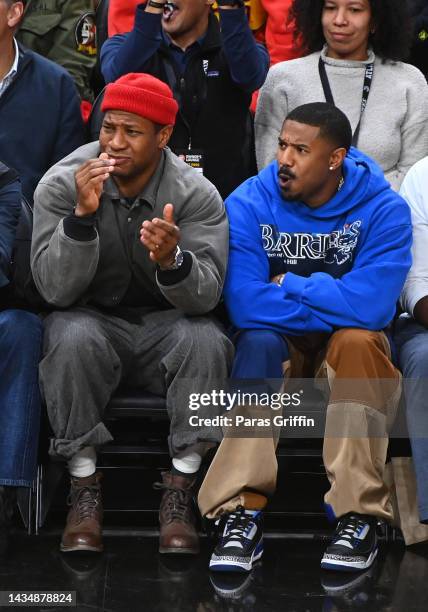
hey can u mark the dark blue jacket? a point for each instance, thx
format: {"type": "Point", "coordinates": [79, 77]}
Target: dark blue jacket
{"type": "Point", "coordinates": [10, 209]}
{"type": "Point", "coordinates": [221, 71]}
{"type": "Point", "coordinates": [40, 120]}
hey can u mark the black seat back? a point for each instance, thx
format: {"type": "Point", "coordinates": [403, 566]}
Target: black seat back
{"type": "Point", "coordinates": [96, 118]}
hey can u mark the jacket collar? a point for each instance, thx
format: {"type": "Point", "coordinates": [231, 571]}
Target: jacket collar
{"type": "Point", "coordinates": [25, 56]}
{"type": "Point", "coordinates": [211, 39]}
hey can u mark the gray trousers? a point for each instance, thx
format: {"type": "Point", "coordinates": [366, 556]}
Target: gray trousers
{"type": "Point", "coordinates": [87, 353]}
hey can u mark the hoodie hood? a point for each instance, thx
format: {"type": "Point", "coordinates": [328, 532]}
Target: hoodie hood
{"type": "Point", "coordinates": [341, 265]}
{"type": "Point", "coordinates": [364, 180]}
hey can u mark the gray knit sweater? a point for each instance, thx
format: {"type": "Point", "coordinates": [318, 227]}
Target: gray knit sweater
{"type": "Point", "coordinates": [394, 129]}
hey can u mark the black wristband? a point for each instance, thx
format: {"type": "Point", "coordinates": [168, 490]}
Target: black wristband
{"type": "Point", "coordinates": [80, 228]}
{"type": "Point", "coordinates": [172, 277]}
{"type": "Point", "coordinates": [158, 5]}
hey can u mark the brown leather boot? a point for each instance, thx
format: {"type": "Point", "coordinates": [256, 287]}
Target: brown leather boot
{"type": "Point", "coordinates": [83, 530]}
{"type": "Point", "coordinates": [176, 515]}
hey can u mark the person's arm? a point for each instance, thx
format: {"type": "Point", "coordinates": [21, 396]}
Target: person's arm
{"type": "Point", "coordinates": [65, 244]}
{"type": "Point", "coordinates": [130, 52]}
{"type": "Point", "coordinates": [248, 60]}
{"type": "Point", "coordinates": [62, 266]}
{"type": "Point", "coordinates": [414, 130]}
{"type": "Point", "coordinates": [272, 108]}
{"type": "Point", "coordinates": [201, 232]}
{"type": "Point", "coordinates": [204, 237]}
{"type": "Point", "coordinates": [10, 210]}
{"type": "Point", "coordinates": [363, 298]}
{"type": "Point", "coordinates": [366, 296]}
{"type": "Point", "coordinates": [253, 301]}
{"type": "Point", "coordinates": [414, 297]}
{"type": "Point", "coordinates": [70, 132]}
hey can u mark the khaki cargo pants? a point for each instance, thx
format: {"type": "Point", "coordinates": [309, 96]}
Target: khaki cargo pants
{"type": "Point", "coordinates": [365, 389]}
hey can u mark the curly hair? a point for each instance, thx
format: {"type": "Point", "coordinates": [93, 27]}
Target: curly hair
{"type": "Point", "coordinates": [390, 41]}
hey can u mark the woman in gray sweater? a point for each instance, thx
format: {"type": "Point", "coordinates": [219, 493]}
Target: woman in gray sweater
{"type": "Point", "coordinates": [355, 47]}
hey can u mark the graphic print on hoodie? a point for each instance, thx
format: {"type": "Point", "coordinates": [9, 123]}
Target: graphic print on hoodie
{"type": "Point", "coordinates": [345, 262]}
{"type": "Point", "coordinates": [304, 253]}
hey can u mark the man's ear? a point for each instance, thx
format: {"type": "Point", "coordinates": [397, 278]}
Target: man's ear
{"type": "Point", "coordinates": [164, 135]}
{"type": "Point", "coordinates": [337, 158]}
{"type": "Point", "coordinates": [14, 14]}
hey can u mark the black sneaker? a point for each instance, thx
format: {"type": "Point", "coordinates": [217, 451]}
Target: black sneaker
{"type": "Point", "coordinates": [354, 546]}
{"type": "Point", "coordinates": [241, 541]}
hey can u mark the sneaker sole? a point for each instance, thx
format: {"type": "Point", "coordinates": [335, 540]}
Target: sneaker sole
{"type": "Point", "coordinates": [81, 548]}
{"type": "Point", "coordinates": [223, 564]}
{"type": "Point", "coordinates": [344, 566]}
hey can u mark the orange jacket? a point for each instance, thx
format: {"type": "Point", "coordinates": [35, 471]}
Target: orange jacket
{"type": "Point", "coordinates": [278, 37]}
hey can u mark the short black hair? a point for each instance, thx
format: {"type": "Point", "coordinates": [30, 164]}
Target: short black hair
{"type": "Point", "coordinates": [390, 40]}
{"type": "Point", "coordinates": [333, 123]}
{"type": "Point", "coordinates": [10, 2]}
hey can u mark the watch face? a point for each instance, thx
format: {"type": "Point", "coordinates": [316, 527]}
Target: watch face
{"type": "Point", "coordinates": [179, 257]}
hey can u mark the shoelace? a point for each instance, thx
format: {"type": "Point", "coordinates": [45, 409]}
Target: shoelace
{"type": "Point", "coordinates": [237, 524]}
{"type": "Point", "coordinates": [175, 503]}
{"type": "Point", "coordinates": [87, 499]}
{"type": "Point", "coordinates": [347, 528]}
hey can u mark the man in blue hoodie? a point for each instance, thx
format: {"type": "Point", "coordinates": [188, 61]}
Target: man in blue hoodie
{"type": "Point", "coordinates": [319, 251]}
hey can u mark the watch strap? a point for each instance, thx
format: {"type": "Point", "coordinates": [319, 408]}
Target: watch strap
{"type": "Point", "coordinates": [158, 5]}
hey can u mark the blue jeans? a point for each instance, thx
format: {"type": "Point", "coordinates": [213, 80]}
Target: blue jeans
{"type": "Point", "coordinates": [412, 343]}
{"type": "Point", "coordinates": [259, 353]}
{"type": "Point", "coordinates": [20, 351]}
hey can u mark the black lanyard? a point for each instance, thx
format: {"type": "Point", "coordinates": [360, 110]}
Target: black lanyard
{"type": "Point", "coordinates": [368, 77]}
{"type": "Point", "coordinates": [176, 82]}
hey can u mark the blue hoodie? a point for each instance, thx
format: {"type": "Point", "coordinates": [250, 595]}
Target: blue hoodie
{"type": "Point", "coordinates": [345, 262]}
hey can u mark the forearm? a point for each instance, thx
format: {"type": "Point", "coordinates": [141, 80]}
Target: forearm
{"type": "Point", "coordinates": [63, 264]}
{"type": "Point", "coordinates": [261, 305]}
{"type": "Point", "coordinates": [248, 61]}
{"type": "Point", "coordinates": [126, 53]}
{"type": "Point", "coordinates": [63, 268]}
{"type": "Point", "coordinates": [198, 292]}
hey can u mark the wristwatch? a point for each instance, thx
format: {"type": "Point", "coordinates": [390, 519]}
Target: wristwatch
{"type": "Point", "coordinates": [178, 260]}
{"type": "Point", "coordinates": [239, 3]}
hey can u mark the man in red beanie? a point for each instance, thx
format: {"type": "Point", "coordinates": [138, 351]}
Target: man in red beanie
{"type": "Point", "coordinates": [130, 245]}
{"type": "Point", "coordinates": [213, 68]}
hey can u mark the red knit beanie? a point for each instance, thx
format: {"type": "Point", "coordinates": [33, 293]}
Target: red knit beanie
{"type": "Point", "coordinates": [144, 95]}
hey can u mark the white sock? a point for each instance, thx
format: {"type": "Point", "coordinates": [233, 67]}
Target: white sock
{"type": "Point", "coordinates": [187, 463]}
{"type": "Point", "coordinates": [83, 463]}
